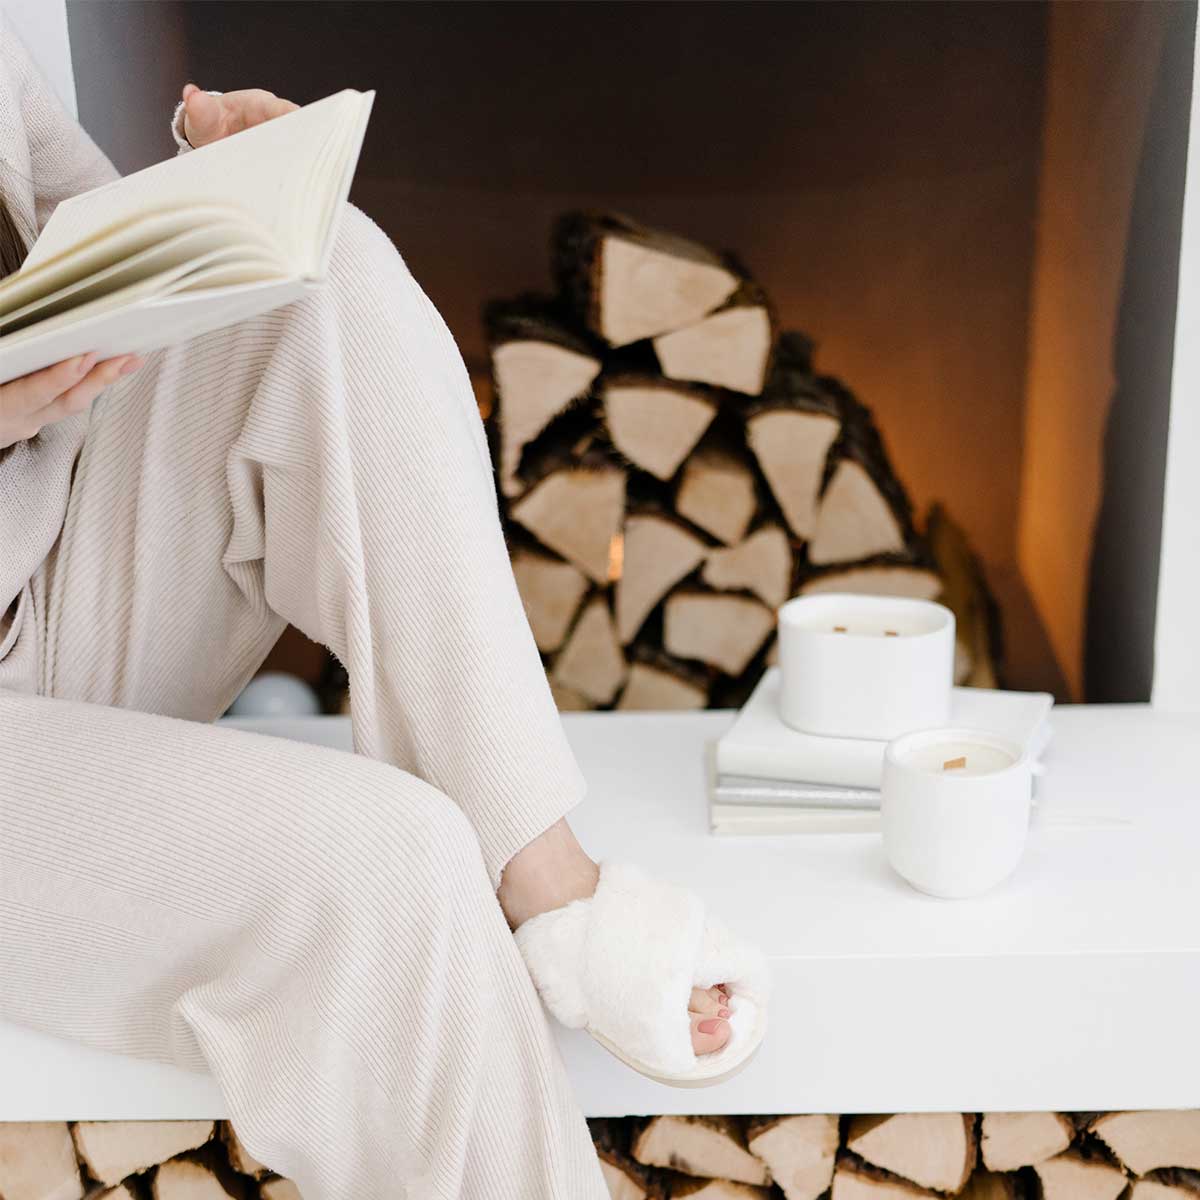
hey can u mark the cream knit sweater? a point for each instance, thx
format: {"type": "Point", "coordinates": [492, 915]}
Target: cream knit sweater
{"type": "Point", "coordinates": [44, 157]}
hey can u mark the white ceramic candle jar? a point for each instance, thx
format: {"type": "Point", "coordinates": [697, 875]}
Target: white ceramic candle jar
{"type": "Point", "coordinates": [865, 666]}
{"type": "Point", "coordinates": [955, 809]}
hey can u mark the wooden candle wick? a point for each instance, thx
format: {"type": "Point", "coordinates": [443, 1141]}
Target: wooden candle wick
{"type": "Point", "coordinates": [954, 764]}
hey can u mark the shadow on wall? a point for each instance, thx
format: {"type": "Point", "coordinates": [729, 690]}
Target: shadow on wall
{"type": "Point", "coordinates": [1123, 577]}
{"type": "Point", "coordinates": [130, 62]}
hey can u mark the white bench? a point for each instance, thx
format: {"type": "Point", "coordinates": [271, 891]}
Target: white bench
{"type": "Point", "coordinates": [1074, 986]}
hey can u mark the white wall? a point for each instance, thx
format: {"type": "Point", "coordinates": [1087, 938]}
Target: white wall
{"type": "Point", "coordinates": [42, 26]}
{"type": "Point", "coordinates": [1177, 633]}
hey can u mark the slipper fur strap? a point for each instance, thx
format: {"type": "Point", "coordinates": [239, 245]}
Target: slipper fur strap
{"type": "Point", "coordinates": [623, 963]}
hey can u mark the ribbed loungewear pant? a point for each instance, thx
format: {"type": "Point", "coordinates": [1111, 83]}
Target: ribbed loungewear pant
{"type": "Point", "coordinates": [317, 929]}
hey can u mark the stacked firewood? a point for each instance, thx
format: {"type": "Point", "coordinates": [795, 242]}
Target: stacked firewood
{"type": "Point", "coordinates": [133, 1160]}
{"type": "Point", "coordinates": [909, 1156]}
{"type": "Point", "coordinates": [671, 468]}
{"type": "Point", "coordinates": [925, 1156]}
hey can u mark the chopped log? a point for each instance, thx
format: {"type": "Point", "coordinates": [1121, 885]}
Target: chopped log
{"type": "Point", "coordinates": [539, 367]}
{"type": "Point", "coordinates": [1146, 1140]}
{"type": "Point", "coordinates": [710, 1147]}
{"type": "Point", "coordinates": [628, 282]}
{"type": "Point", "coordinates": [723, 630]}
{"type": "Point", "coordinates": [626, 1178]}
{"type": "Point", "coordinates": [1012, 1140]}
{"type": "Point", "coordinates": [1072, 1176]}
{"type": "Point", "coordinates": [551, 591]}
{"type": "Point", "coordinates": [240, 1159]}
{"type": "Point", "coordinates": [568, 699]}
{"type": "Point", "coordinates": [655, 423]}
{"type": "Point", "coordinates": [623, 1183]}
{"type": "Point", "coordinates": [933, 1150]}
{"type": "Point", "coordinates": [800, 1152]}
{"type": "Point", "coordinates": [762, 564]}
{"type": "Point", "coordinates": [279, 1189]}
{"type": "Point", "coordinates": [113, 1150]}
{"type": "Point", "coordinates": [658, 552]}
{"type": "Point", "coordinates": [791, 431]}
{"type": "Point", "coordinates": [591, 662]}
{"type": "Point", "coordinates": [965, 593]}
{"type": "Point", "coordinates": [876, 579]}
{"type": "Point", "coordinates": [989, 1185]}
{"type": "Point", "coordinates": [714, 1189]}
{"type": "Point", "coordinates": [577, 512]}
{"type": "Point", "coordinates": [730, 348]}
{"type": "Point", "coordinates": [858, 1181]}
{"type": "Point", "coordinates": [864, 510]}
{"type": "Point", "coordinates": [185, 1180]}
{"type": "Point", "coordinates": [791, 448]}
{"type": "Point", "coordinates": [854, 520]}
{"type": "Point", "coordinates": [716, 492]}
{"type": "Point", "coordinates": [660, 686]}
{"type": "Point", "coordinates": [1167, 1184]}
{"type": "Point", "coordinates": [37, 1162]}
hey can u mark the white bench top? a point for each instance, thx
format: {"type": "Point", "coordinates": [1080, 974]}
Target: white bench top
{"type": "Point", "coordinates": [1073, 986]}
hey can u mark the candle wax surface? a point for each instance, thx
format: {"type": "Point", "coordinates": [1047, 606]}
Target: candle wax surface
{"type": "Point", "coordinates": [864, 629]}
{"type": "Point", "coordinates": [982, 759]}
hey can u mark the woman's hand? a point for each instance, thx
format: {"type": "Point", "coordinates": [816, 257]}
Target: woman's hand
{"type": "Point", "coordinates": [208, 118]}
{"type": "Point", "coordinates": [33, 401]}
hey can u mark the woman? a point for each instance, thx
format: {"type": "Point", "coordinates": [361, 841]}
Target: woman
{"type": "Point", "coordinates": [320, 931]}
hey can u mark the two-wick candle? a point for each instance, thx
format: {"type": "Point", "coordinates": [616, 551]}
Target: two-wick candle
{"type": "Point", "coordinates": [865, 666]}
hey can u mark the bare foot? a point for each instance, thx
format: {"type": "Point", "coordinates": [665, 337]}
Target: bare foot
{"type": "Point", "coordinates": [552, 871]}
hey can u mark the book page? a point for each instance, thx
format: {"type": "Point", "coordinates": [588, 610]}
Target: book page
{"type": "Point", "coordinates": [121, 245]}
{"type": "Point", "coordinates": [268, 172]}
{"type": "Point", "coordinates": [215, 233]}
{"type": "Point", "coordinates": [338, 175]}
{"type": "Point", "coordinates": [145, 324]}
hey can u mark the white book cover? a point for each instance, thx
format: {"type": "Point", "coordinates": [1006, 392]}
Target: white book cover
{"type": "Point", "coordinates": [760, 745]}
{"type": "Point", "coordinates": [188, 245]}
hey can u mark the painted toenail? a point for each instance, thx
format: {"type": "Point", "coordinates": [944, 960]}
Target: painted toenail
{"type": "Point", "coordinates": [710, 1026]}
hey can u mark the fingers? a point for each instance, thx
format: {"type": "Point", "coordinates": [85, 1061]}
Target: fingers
{"type": "Point", "coordinates": [208, 118]}
{"type": "Point", "coordinates": [81, 395]}
{"type": "Point", "coordinates": [255, 106]}
{"type": "Point", "coordinates": [26, 395]}
{"type": "Point", "coordinates": [708, 1033]}
{"type": "Point", "coordinates": [204, 118]}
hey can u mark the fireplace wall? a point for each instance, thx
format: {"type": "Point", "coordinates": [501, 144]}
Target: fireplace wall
{"type": "Point", "coordinates": [904, 179]}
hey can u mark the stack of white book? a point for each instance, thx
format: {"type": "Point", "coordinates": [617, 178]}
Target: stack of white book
{"type": "Point", "coordinates": [770, 778]}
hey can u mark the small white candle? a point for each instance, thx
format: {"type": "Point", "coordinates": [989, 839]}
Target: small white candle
{"type": "Point", "coordinates": [865, 666]}
{"type": "Point", "coordinates": [955, 809]}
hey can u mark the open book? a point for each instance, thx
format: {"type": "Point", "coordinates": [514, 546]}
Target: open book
{"type": "Point", "coordinates": [216, 235]}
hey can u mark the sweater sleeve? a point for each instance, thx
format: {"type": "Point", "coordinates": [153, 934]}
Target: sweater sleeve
{"type": "Point", "coordinates": [64, 160]}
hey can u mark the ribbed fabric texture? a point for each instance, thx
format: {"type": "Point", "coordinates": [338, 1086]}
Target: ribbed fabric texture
{"type": "Point", "coordinates": [315, 927]}
{"type": "Point", "coordinates": [319, 929]}
{"type": "Point", "coordinates": [44, 158]}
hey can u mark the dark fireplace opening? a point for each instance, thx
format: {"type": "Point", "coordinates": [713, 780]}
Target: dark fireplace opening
{"type": "Point", "coordinates": [940, 196]}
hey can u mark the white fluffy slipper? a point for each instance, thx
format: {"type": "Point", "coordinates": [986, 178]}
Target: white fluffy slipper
{"type": "Point", "coordinates": [622, 965]}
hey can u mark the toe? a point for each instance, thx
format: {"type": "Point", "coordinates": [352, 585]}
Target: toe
{"type": "Point", "coordinates": [708, 1033]}
{"type": "Point", "coordinates": [707, 1001]}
